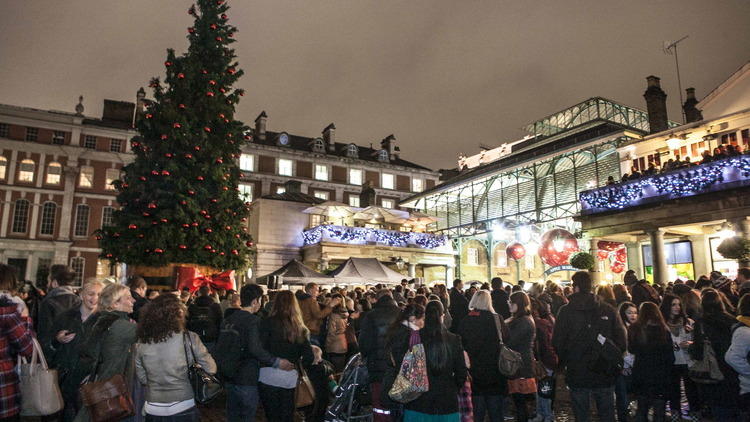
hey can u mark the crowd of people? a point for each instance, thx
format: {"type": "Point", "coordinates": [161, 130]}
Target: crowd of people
{"type": "Point", "coordinates": [720, 152]}
{"type": "Point", "coordinates": [633, 349]}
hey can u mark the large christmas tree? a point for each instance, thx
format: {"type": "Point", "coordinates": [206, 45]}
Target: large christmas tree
{"type": "Point", "coordinates": [179, 198]}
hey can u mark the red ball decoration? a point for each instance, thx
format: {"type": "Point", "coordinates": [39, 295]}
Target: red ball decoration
{"type": "Point", "coordinates": [194, 224]}
{"type": "Point", "coordinates": [183, 202]}
{"type": "Point", "coordinates": [132, 226]}
{"type": "Point", "coordinates": [237, 235]}
{"type": "Point", "coordinates": [145, 214]}
{"type": "Point", "coordinates": [228, 228]}
{"type": "Point", "coordinates": [221, 253]}
{"type": "Point", "coordinates": [207, 129]}
{"type": "Point", "coordinates": [141, 236]}
{"type": "Point", "coordinates": [164, 137]}
{"type": "Point", "coordinates": [197, 148]}
{"type": "Point", "coordinates": [223, 91]}
{"type": "Point", "coordinates": [188, 156]}
{"type": "Point", "coordinates": [167, 63]}
{"type": "Point", "coordinates": [181, 76]}
{"type": "Point", "coordinates": [109, 255]}
{"type": "Point", "coordinates": [149, 115]}
{"type": "Point", "coordinates": [185, 226]}
{"type": "Point", "coordinates": [556, 247]}
{"type": "Point", "coordinates": [191, 29]}
{"type": "Point", "coordinates": [208, 217]}
{"type": "Point", "coordinates": [213, 26]}
{"type": "Point", "coordinates": [231, 71]}
{"type": "Point", "coordinates": [224, 16]}
{"type": "Point", "coordinates": [219, 39]}
{"type": "Point", "coordinates": [207, 247]}
{"type": "Point", "coordinates": [219, 161]}
{"type": "Point", "coordinates": [182, 106]}
{"type": "Point", "coordinates": [183, 247]}
{"type": "Point", "coordinates": [203, 212]}
{"type": "Point", "coordinates": [212, 82]}
{"type": "Point", "coordinates": [176, 125]}
{"type": "Point", "coordinates": [200, 178]}
{"type": "Point", "coordinates": [515, 251]}
{"type": "Point", "coordinates": [154, 222]}
{"type": "Point", "coordinates": [168, 155]}
{"type": "Point", "coordinates": [164, 220]}
{"type": "Point", "coordinates": [164, 173]}
{"type": "Point", "coordinates": [209, 231]}
{"type": "Point", "coordinates": [224, 188]}
{"type": "Point", "coordinates": [235, 252]}
{"type": "Point", "coordinates": [230, 35]}
{"type": "Point", "coordinates": [142, 178]}
{"type": "Point", "coordinates": [116, 235]}
{"type": "Point", "coordinates": [213, 201]}
{"type": "Point", "coordinates": [209, 94]}
{"type": "Point", "coordinates": [191, 192]}
{"type": "Point", "coordinates": [159, 250]}
{"type": "Point", "coordinates": [204, 71]}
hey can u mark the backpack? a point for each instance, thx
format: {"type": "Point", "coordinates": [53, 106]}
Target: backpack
{"type": "Point", "coordinates": [229, 350]}
{"type": "Point", "coordinates": [605, 358]}
{"type": "Point", "coordinates": [202, 322]}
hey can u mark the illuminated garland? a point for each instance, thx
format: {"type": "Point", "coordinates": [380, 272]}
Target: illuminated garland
{"type": "Point", "coordinates": [683, 182]}
{"type": "Point", "coordinates": [362, 235]}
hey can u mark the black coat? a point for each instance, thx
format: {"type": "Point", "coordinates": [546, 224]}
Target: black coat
{"type": "Point", "coordinates": [373, 329]}
{"type": "Point", "coordinates": [140, 302]}
{"type": "Point", "coordinates": [718, 330]}
{"type": "Point", "coordinates": [442, 397]}
{"type": "Point", "coordinates": [272, 338]}
{"type": "Point", "coordinates": [57, 301]}
{"type": "Point", "coordinates": [500, 303]}
{"type": "Point", "coordinates": [480, 340]}
{"type": "Point", "coordinates": [521, 339]}
{"type": "Point", "coordinates": [653, 362]}
{"type": "Point", "coordinates": [572, 344]}
{"type": "Point", "coordinates": [459, 307]}
{"type": "Point", "coordinates": [248, 327]}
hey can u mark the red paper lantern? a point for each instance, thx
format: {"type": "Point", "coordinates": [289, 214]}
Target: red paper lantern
{"type": "Point", "coordinates": [556, 247]}
{"type": "Point", "coordinates": [515, 251]}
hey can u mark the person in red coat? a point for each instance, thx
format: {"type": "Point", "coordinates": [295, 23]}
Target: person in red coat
{"type": "Point", "coordinates": [15, 338]}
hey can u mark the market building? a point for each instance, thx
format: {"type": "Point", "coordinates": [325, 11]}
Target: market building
{"type": "Point", "coordinates": [56, 174]}
{"type": "Point", "coordinates": [509, 212]}
{"type": "Point", "coordinates": [673, 221]}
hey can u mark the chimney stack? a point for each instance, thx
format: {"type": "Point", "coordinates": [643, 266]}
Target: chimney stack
{"type": "Point", "coordinates": [260, 126]}
{"type": "Point", "coordinates": [656, 105]}
{"type": "Point", "coordinates": [389, 144]}
{"type": "Point", "coordinates": [329, 137]}
{"type": "Point", "coordinates": [692, 114]}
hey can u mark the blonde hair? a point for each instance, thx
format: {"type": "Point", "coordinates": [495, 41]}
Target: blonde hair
{"type": "Point", "coordinates": [481, 301]}
{"type": "Point", "coordinates": [110, 295]}
{"type": "Point", "coordinates": [91, 283]}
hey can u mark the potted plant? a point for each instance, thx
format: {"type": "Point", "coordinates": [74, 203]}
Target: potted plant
{"type": "Point", "coordinates": [582, 261]}
{"type": "Point", "coordinates": [736, 247]}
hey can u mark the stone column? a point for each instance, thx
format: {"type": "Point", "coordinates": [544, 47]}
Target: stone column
{"type": "Point", "coordinates": [658, 256]}
{"type": "Point", "coordinates": [701, 254]}
{"type": "Point", "coordinates": [412, 270]}
{"type": "Point", "coordinates": [596, 274]}
{"type": "Point", "coordinates": [449, 275]}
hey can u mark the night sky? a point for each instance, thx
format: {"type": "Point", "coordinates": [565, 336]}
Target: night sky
{"type": "Point", "coordinates": [443, 76]}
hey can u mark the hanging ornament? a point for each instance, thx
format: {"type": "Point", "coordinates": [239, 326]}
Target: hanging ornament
{"type": "Point", "coordinates": [141, 236]}
{"type": "Point", "coordinates": [515, 251]}
{"type": "Point", "coordinates": [188, 156]}
{"type": "Point", "coordinates": [207, 247]}
{"type": "Point", "coordinates": [235, 252]}
{"type": "Point", "coordinates": [214, 200]}
{"type": "Point", "coordinates": [145, 214]}
{"type": "Point", "coordinates": [197, 148]}
{"type": "Point", "coordinates": [231, 71]}
{"type": "Point", "coordinates": [185, 225]}
{"type": "Point", "coordinates": [183, 202]}
{"type": "Point", "coordinates": [167, 63]}
{"type": "Point", "coordinates": [164, 137]}
{"type": "Point", "coordinates": [182, 106]}
{"type": "Point", "coordinates": [132, 226]}
{"type": "Point", "coordinates": [207, 129]}
{"type": "Point", "coordinates": [168, 155]}
{"type": "Point", "coordinates": [203, 212]}
{"type": "Point", "coordinates": [221, 253]}
{"type": "Point", "coordinates": [230, 35]}
{"type": "Point", "coordinates": [212, 82]}
{"type": "Point", "coordinates": [213, 26]}
{"type": "Point", "coordinates": [149, 115]}
{"type": "Point", "coordinates": [204, 71]}
{"type": "Point", "coordinates": [159, 250]}
{"type": "Point", "coordinates": [116, 235]}
{"type": "Point", "coordinates": [191, 30]}
{"type": "Point", "coordinates": [176, 125]}
{"type": "Point", "coordinates": [194, 224]}
{"type": "Point", "coordinates": [180, 76]}
{"type": "Point", "coordinates": [219, 39]}
{"type": "Point", "coordinates": [249, 244]}
{"type": "Point", "coordinates": [199, 178]}
{"type": "Point", "coordinates": [191, 192]}
{"type": "Point", "coordinates": [165, 173]}
{"type": "Point", "coordinates": [556, 247]}
{"type": "Point", "coordinates": [142, 178]}
{"type": "Point", "coordinates": [228, 228]}
{"type": "Point", "coordinates": [209, 231]}
{"type": "Point", "coordinates": [224, 16]}
{"type": "Point", "coordinates": [219, 161]}
{"type": "Point", "coordinates": [183, 247]}
{"type": "Point", "coordinates": [164, 220]}
{"type": "Point", "coordinates": [210, 94]}
{"type": "Point", "coordinates": [237, 235]}
{"type": "Point", "coordinates": [225, 188]}
{"type": "Point", "coordinates": [154, 173]}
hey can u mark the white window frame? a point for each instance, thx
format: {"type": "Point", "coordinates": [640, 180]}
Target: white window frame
{"type": "Point", "coordinates": [20, 219]}
{"type": "Point", "coordinates": [3, 167]}
{"type": "Point", "coordinates": [48, 221]}
{"type": "Point", "coordinates": [383, 156]}
{"type": "Point", "coordinates": [354, 201]}
{"type": "Point", "coordinates": [387, 203]}
{"type": "Point", "coordinates": [417, 184]}
{"type": "Point", "coordinates": [26, 175]}
{"type": "Point", "coordinates": [58, 137]}
{"type": "Point", "coordinates": [111, 210]}
{"type": "Point", "coordinates": [356, 181]}
{"type": "Point", "coordinates": [321, 194]}
{"type": "Point", "coordinates": [81, 226]}
{"type": "Point", "coordinates": [87, 141]}
{"type": "Point", "coordinates": [246, 188]}
{"type": "Point", "coordinates": [247, 162]}
{"type": "Point", "coordinates": [53, 178]}
{"type": "Point", "coordinates": [279, 167]}
{"type": "Point", "coordinates": [320, 172]}
{"type": "Point", "coordinates": [472, 256]}
{"type": "Point", "coordinates": [78, 265]}
{"type": "Point", "coordinates": [352, 151]}
{"type": "Point", "coordinates": [110, 175]}
{"type": "Point", "coordinates": [86, 177]}
{"type": "Point", "coordinates": [392, 181]}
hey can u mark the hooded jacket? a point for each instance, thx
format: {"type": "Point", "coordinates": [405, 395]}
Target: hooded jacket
{"type": "Point", "coordinates": [372, 335]}
{"type": "Point", "coordinates": [738, 352]}
{"type": "Point", "coordinates": [575, 353]}
{"type": "Point", "coordinates": [58, 300]}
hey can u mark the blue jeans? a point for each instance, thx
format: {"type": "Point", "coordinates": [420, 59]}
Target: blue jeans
{"type": "Point", "coordinates": [488, 404]}
{"type": "Point", "coordinates": [604, 398]}
{"type": "Point", "coordinates": [190, 415]}
{"type": "Point", "coordinates": [242, 402]}
{"type": "Point", "coordinates": [544, 408]}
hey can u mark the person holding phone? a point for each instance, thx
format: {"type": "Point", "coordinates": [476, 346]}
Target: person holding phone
{"type": "Point", "coordinates": [681, 329]}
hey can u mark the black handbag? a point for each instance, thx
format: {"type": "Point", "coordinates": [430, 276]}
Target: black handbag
{"type": "Point", "coordinates": [205, 386]}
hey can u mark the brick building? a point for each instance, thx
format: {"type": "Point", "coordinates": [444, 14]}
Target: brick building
{"type": "Point", "coordinates": [56, 170]}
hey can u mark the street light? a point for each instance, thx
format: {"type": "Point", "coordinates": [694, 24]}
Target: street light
{"type": "Point", "coordinates": [399, 262]}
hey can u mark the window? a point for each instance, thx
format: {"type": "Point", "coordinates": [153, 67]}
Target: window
{"type": "Point", "coordinates": [86, 179]}
{"type": "Point", "coordinates": [472, 256]}
{"type": "Point", "coordinates": [383, 156]}
{"type": "Point", "coordinates": [108, 216]}
{"type": "Point", "coordinates": [417, 185]}
{"type": "Point", "coordinates": [26, 170]}
{"type": "Point", "coordinates": [3, 167]}
{"type": "Point", "coordinates": [4, 130]}
{"type": "Point", "coordinates": [54, 173]}
{"type": "Point", "coordinates": [110, 176]}
{"type": "Point", "coordinates": [42, 269]}
{"type": "Point", "coordinates": [82, 220]}
{"type": "Point", "coordinates": [20, 216]}
{"type": "Point", "coordinates": [77, 264]}
{"type": "Point", "coordinates": [49, 210]}
{"type": "Point", "coordinates": [355, 177]}
{"type": "Point", "coordinates": [353, 201]}
{"type": "Point", "coordinates": [247, 162]}
{"type": "Point", "coordinates": [58, 137]}
{"type": "Point", "coordinates": [285, 167]}
{"type": "Point", "coordinates": [321, 195]}
{"type": "Point", "coordinates": [115, 145]}
{"type": "Point", "coordinates": [246, 192]}
{"type": "Point", "coordinates": [89, 141]}
{"type": "Point", "coordinates": [387, 203]}
{"type": "Point", "coordinates": [317, 219]}
{"type": "Point", "coordinates": [321, 172]}
{"type": "Point", "coordinates": [387, 181]}
{"type": "Point", "coordinates": [352, 151]}
{"type": "Point", "coordinates": [729, 138]}
{"type": "Point", "coordinates": [280, 189]}
{"type": "Point", "coordinates": [32, 134]}
{"type": "Point", "coordinates": [745, 137]}
{"type": "Point", "coordinates": [318, 145]}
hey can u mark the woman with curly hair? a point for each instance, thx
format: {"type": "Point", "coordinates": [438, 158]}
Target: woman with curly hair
{"type": "Point", "coordinates": [161, 333]}
{"type": "Point", "coordinates": [285, 335]}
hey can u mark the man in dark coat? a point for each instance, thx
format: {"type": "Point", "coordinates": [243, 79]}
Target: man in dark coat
{"type": "Point", "coordinates": [59, 299]}
{"type": "Point", "coordinates": [372, 337]}
{"type": "Point", "coordinates": [500, 298]}
{"type": "Point", "coordinates": [582, 328]}
{"type": "Point", "coordinates": [459, 305]}
{"type": "Point", "coordinates": [138, 289]}
{"type": "Point", "coordinates": [204, 317]}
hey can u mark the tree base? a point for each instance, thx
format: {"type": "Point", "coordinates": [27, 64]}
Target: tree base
{"type": "Point", "coordinates": [163, 278]}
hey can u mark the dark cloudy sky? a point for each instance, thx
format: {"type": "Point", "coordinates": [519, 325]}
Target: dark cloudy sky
{"type": "Point", "coordinates": [443, 76]}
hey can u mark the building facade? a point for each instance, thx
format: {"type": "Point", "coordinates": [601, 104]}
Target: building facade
{"type": "Point", "coordinates": [56, 174]}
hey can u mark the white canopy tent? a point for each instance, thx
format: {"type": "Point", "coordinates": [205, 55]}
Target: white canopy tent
{"type": "Point", "coordinates": [365, 270]}
{"type": "Point", "coordinates": [296, 273]}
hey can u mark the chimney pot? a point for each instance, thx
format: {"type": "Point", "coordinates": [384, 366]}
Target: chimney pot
{"type": "Point", "coordinates": [260, 126]}
{"type": "Point", "coordinates": [690, 93]}
{"type": "Point", "coordinates": [656, 105]}
{"type": "Point", "coordinates": [329, 137]}
{"type": "Point", "coordinates": [692, 113]}
{"type": "Point", "coordinates": [653, 81]}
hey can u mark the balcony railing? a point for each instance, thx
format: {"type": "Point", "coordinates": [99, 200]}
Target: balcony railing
{"type": "Point", "coordinates": [727, 173]}
{"type": "Point", "coordinates": [366, 235]}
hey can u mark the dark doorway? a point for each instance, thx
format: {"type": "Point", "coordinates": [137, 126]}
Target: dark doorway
{"type": "Point", "coordinates": [20, 265]}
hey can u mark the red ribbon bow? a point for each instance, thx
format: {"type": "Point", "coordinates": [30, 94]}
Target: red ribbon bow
{"type": "Point", "coordinates": [193, 279]}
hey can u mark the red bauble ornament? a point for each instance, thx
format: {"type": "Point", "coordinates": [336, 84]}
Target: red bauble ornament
{"type": "Point", "coordinates": [142, 178]}
{"type": "Point", "coordinates": [203, 212]}
{"type": "Point", "coordinates": [243, 219]}
{"type": "Point", "coordinates": [207, 129]}
{"type": "Point", "coordinates": [515, 251]}
{"type": "Point", "coordinates": [141, 236]}
{"type": "Point", "coordinates": [212, 82]}
{"type": "Point", "coordinates": [185, 226]}
{"type": "Point", "coordinates": [116, 235]}
{"type": "Point", "coordinates": [221, 115]}
{"type": "Point", "coordinates": [556, 247]}
{"type": "Point", "coordinates": [159, 250]}
{"type": "Point", "coordinates": [197, 148]}
{"type": "Point", "coordinates": [237, 235]}
{"type": "Point", "coordinates": [247, 137]}
{"type": "Point", "coordinates": [224, 188]}
{"type": "Point", "coordinates": [191, 192]}
{"type": "Point", "coordinates": [183, 247]}
{"type": "Point", "coordinates": [164, 137]}
{"type": "Point", "coordinates": [168, 155]}
{"type": "Point", "coordinates": [228, 228]}
{"type": "Point", "coordinates": [223, 91]}
{"type": "Point", "coordinates": [249, 244]}
{"type": "Point", "coordinates": [209, 94]}
{"type": "Point", "coordinates": [164, 220]}
{"type": "Point", "coordinates": [213, 26]}
{"type": "Point", "coordinates": [208, 217]}
{"type": "Point", "coordinates": [132, 226]}
{"type": "Point", "coordinates": [219, 161]}
{"type": "Point", "coordinates": [145, 214]}
{"type": "Point", "coordinates": [224, 16]}
{"type": "Point", "coordinates": [219, 39]}
{"type": "Point", "coordinates": [182, 106]}
{"type": "Point", "coordinates": [109, 255]}
{"type": "Point", "coordinates": [213, 201]}
{"type": "Point", "coordinates": [191, 29]}
{"type": "Point", "coordinates": [149, 115]}
{"type": "Point", "coordinates": [209, 231]}
{"type": "Point", "coordinates": [188, 156]}
{"type": "Point", "coordinates": [154, 222]}
{"type": "Point", "coordinates": [176, 125]}
{"type": "Point", "coordinates": [231, 71]}
{"type": "Point", "coordinates": [181, 76]}
{"type": "Point", "coordinates": [164, 173]}
{"type": "Point", "coordinates": [194, 224]}
{"type": "Point", "coordinates": [200, 178]}
{"type": "Point", "coordinates": [167, 63]}
{"type": "Point", "coordinates": [230, 35]}
{"type": "Point", "coordinates": [207, 247]}
{"type": "Point", "coordinates": [235, 252]}
{"type": "Point", "coordinates": [221, 253]}
{"type": "Point", "coordinates": [183, 202]}
{"type": "Point", "coordinates": [98, 238]}
{"type": "Point", "coordinates": [204, 71]}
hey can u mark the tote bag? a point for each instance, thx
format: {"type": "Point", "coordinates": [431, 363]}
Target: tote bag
{"type": "Point", "coordinates": [411, 380]}
{"type": "Point", "coordinates": [40, 393]}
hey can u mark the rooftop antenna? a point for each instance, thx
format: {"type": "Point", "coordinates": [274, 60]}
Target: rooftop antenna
{"type": "Point", "coordinates": [670, 48]}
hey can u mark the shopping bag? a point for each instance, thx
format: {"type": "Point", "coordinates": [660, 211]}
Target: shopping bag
{"type": "Point", "coordinates": [40, 393]}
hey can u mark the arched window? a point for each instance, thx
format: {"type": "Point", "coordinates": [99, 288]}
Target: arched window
{"type": "Point", "coordinates": [318, 145]}
{"type": "Point", "coordinates": [3, 167]}
{"type": "Point", "coordinates": [383, 155]}
{"type": "Point", "coordinates": [352, 151]}
{"type": "Point", "coordinates": [54, 173]}
{"type": "Point", "coordinates": [49, 210]}
{"type": "Point", "coordinates": [20, 216]}
{"type": "Point", "coordinates": [26, 170]}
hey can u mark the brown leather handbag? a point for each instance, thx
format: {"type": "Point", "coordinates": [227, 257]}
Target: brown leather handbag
{"type": "Point", "coordinates": [107, 400]}
{"type": "Point", "coordinates": [304, 394]}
